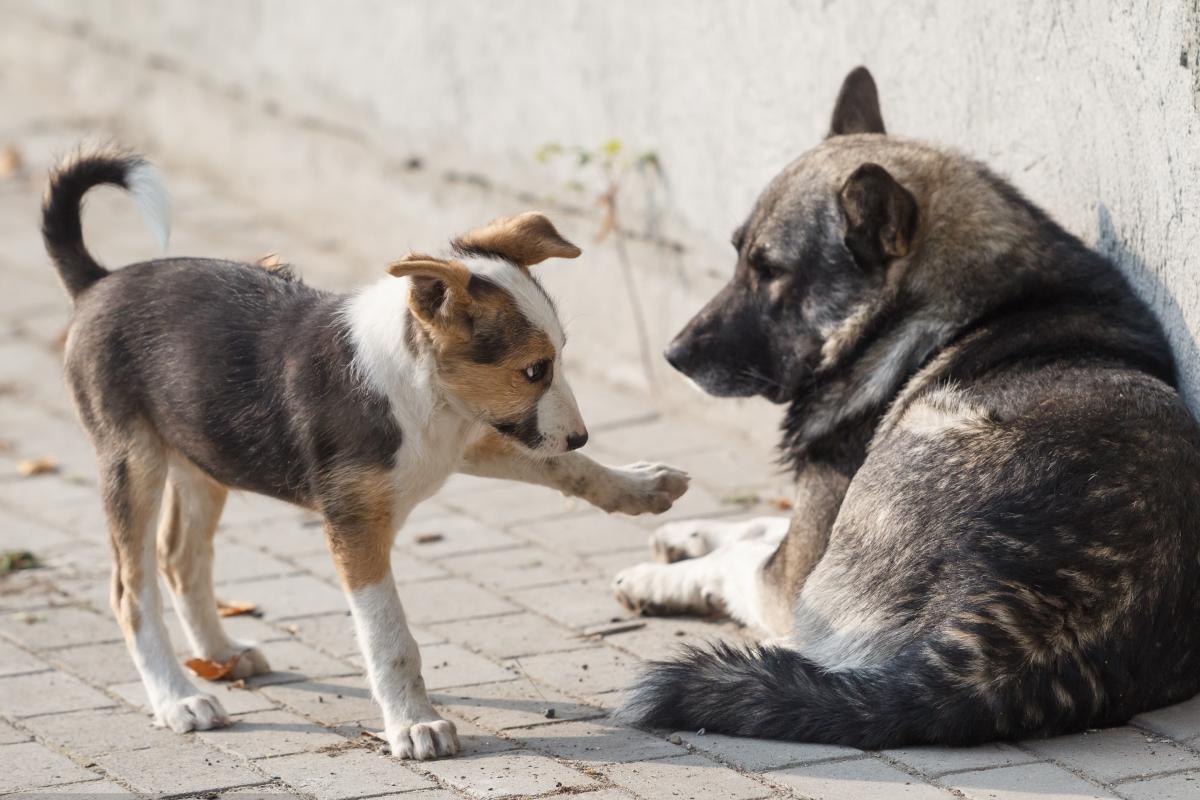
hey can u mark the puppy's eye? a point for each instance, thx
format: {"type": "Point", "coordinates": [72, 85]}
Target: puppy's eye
{"type": "Point", "coordinates": [535, 372]}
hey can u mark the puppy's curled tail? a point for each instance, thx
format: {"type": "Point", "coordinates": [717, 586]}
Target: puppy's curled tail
{"type": "Point", "coordinates": [776, 693]}
{"type": "Point", "coordinates": [62, 208]}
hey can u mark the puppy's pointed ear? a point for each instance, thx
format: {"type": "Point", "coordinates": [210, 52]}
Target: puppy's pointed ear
{"type": "Point", "coordinates": [438, 295]}
{"type": "Point", "coordinates": [525, 240]}
{"type": "Point", "coordinates": [857, 107]}
{"type": "Point", "coordinates": [881, 216]}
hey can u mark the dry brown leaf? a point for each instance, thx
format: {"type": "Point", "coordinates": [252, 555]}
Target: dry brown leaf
{"type": "Point", "coordinates": [428, 538]}
{"type": "Point", "coordinates": [10, 161]}
{"type": "Point", "coordinates": [212, 670]}
{"type": "Point", "coordinates": [781, 503]}
{"type": "Point", "coordinates": [236, 608]}
{"type": "Point", "coordinates": [270, 261]}
{"type": "Point", "coordinates": [37, 466]}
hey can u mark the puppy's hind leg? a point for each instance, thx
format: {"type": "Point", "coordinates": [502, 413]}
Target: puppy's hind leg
{"type": "Point", "coordinates": [728, 580]}
{"type": "Point", "coordinates": [191, 509]}
{"type": "Point", "coordinates": [133, 470]}
{"type": "Point", "coordinates": [692, 538]}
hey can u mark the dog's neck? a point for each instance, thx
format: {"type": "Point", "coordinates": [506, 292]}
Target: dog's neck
{"type": "Point", "coordinates": [390, 359]}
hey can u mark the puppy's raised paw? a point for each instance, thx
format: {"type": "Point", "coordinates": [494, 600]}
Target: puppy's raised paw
{"type": "Point", "coordinates": [436, 738]}
{"type": "Point", "coordinates": [666, 589]}
{"type": "Point", "coordinates": [642, 488]}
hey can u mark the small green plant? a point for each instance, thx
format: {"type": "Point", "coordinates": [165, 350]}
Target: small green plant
{"type": "Point", "coordinates": [607, 169]}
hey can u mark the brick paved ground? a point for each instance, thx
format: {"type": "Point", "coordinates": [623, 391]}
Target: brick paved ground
{"type": "Point", "coordinates": [522, 578]}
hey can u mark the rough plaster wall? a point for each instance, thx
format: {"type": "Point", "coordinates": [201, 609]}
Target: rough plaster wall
{"type": "Point", "coordinates": [1090, 107]}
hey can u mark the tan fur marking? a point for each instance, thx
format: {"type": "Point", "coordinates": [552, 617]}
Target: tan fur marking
{"type": "Point", "coordinates": [525, 239]}
{"type": "Point", "coordinates": [359, 525]}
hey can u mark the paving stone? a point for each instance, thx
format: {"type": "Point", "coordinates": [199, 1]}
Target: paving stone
{"type": "Point", "coordinates": [20, 533]}
{"type": "Point", "coordinates": [14, 660]}
{"type": "Point", "coordinates": [450, 599]}
{"type": "Point", "coordinates": [325, 775]}
{"type": "Point", "coordinates": [235, 562]}
{"type": "Point", "coordinates": [662, 638]}
{"type": "Point", "coordinates": [1180, 721]}
{"type": "Point", "coordinates": [270, 733]}
{"type": "Point", "coordinates": [689, 778]}
{"type": "Point", "coordinates": [183, 768]}
{"type": "Point", "coordinates": [582, 672]}
{"type": "Point", "coordinates": [596, 742]}
{"type": "Point", "coordinates": [293, 596]}
{"type": "Point", "coordinates": [447, 665]}
{"type": "Point", "coordinates": [90, 790]}
{"type": "Point", "coordinates": [577, 604]}
{"type": "Point", "coordinates": [48, 693]}
{"type": "Point", "coordinates": [330, 701]}
{"type": "Point", "coordinates": [47, 628]}
{"type": "Point", "coordinates": [94, 733]}
{"type": "Point", "coordinates": [512, 704]}
{"type": "Point", "coordinates": [30, 765]}
{"type": "Point", "coordinates": [284, 533]}
{"type": "Point", "coordinates": [472, 739]}
{"type": "Point", "coordinates": [861, 778]}
{"type": "Point", "coordinates": [244, 627]}
{"type": "Point", "coordinates": [586, 534]}
{"type": "Point", "coordinates": [1025, 782]}
{"type": "Point", "coordinates": [1115, 753]}
{"type": "Point", "coordinates": [9, 734]}
{"type": "Point", "coordinates": [295, 661]}
{"type": "Point", "coordinates": [936, 761]}
{"type": "Point", "coordinates": [513, 503]}
{"type": "Point", "coordinates": [1180, 786]}
{"type": "Point", "coordinates": [508, 774]}
{"type": "Point", "coordinates": [521, 567]}
{"type": "Point", "coordinates": [102, 664]}
{"type": "Point", "coordinates": [757, 755]}
{"type": "Point", "coordinates": [459, 534]}
{"type": "Point", "coordinates": [509, 636]}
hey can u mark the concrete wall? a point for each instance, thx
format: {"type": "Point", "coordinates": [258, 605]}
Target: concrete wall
{"type": "Point", "coordinates": [384, 125]}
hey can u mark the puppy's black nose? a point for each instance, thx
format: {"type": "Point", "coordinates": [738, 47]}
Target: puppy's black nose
{"type": "Point", "coordinates": [577, 440]}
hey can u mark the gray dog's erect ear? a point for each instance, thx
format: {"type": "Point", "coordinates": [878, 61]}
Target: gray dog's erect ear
{"type": "Point", "coordinates": [857, 106]}
{"type": "Point", "coordinates": [881, 216]}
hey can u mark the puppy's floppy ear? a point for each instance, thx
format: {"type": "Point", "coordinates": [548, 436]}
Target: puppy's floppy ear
{"type": "Point", "coordinates": [857, 107]}
{"type": "Point", "coordinates": [881, 216]}
{"type": "Point", "coordinates": [439, 289]}
{"type": "Point", "coordinates": [525, 240]}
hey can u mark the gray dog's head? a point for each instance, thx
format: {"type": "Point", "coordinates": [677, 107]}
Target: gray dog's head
{"type": "Point", "coordinates": [814, 250]}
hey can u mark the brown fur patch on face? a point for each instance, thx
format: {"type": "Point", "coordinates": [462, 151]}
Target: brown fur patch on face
{"type": "Point", "coordinates": [525, 240]}
{"type": "Point", "coordinates": [359, 524]}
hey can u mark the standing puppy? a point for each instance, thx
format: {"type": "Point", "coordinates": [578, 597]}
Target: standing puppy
{"type": "Point", "coordinates": [997, 521]}
{"type": "Point", "coordinates": [196, 376]}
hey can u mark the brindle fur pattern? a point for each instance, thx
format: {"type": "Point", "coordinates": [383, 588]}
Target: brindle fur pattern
{"type": "Point", "coordinates": [997, 530]}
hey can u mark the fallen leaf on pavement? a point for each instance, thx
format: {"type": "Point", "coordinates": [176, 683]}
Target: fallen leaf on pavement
{"type": "Point", "coordinates": [37, 466]}
{"type": "Point", "coordinates": [212, 670]}
{"type": "Point", "coordinates": [10, 161]}
{"type": "Point", "coordinates": [780, 503]}
{"type": "Point", "coordinates": [236, 608]}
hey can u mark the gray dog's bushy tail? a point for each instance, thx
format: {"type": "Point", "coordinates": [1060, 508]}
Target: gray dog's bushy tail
{"type": "Point", "coordinates": [62, 208]}
{"type": "Point", "coordinates": [776, 693]}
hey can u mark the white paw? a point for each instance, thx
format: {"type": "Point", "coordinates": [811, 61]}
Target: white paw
{"type": "Point", "coordinates": [681, 540]}
{"type": "Point", "coordinates": [433, 738]}
{"type": "Point", "coordinates": [658, 590]}
{"type": "Point", "coordinates": [642, 488]}
{"type": "Point", "coordinates": [199, 712]}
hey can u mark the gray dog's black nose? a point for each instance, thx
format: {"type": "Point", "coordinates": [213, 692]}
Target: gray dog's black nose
{"type": "Point", "coordinates": [675, 355]}
{"type": "Point", "coordinates": [577, 440]}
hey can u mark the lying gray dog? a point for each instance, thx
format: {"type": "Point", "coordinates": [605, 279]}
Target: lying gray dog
{"type": "Point", "coordinates": [997, 523]}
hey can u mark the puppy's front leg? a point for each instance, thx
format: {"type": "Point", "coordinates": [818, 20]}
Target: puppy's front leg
{"type": "Point", "coordinates": [633, 489]}
{"type": "Point", "coordinates": [361, 546]}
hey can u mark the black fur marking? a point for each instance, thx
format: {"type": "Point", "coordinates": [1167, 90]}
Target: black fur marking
{"type": "Point", "coordinates": [523, 430]}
